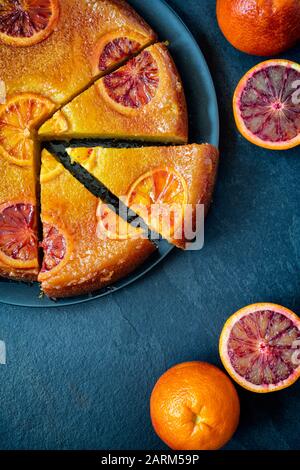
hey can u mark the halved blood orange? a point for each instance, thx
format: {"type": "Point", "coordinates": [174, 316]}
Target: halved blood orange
{"type": "Point", "coordinates": [159, 197]}
{"type": "Point", "coordinates": [266, 105]}
{"type": "Point", "coordinates": [114, 48]}
{"type": "Point", "coordinates": [19, 116]}
{"type": "Point", "coordinates": [134, 85]}
{"type": "Point", "coordinates": [112, 226]}
{"type": "Point", "coordinates": [56, 245]}
{"type": "Point", "coordinates": [27, 22]}
{"type": "Point", "coordinates": [260, 347]}
{"type": "Point", "coordinates": [18, 235]}
{"type": "Point", "coordinates": [51, 168]}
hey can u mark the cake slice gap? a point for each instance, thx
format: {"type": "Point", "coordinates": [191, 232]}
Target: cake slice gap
{"type": "Point", "coordinates": [166, 186]}
{"type": "Point", "coordinates": [79, 258]}
{"type": "Point", "coordinates": [142, 100]}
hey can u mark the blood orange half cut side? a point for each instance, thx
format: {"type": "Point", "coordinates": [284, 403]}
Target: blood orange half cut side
{"type": "Point", "coordinates": [27, 22]}
{"type": "Point", "coordinates": [266, 105]}
{"type": "Point", "coordinates": [260, 347]}
{"type": "Point", "coordinates": [56, 246]}
{"type": "Point", "coordinates": [134, 85]}
{"type": "Point", "coordinates": [114, 48]}
{"type": "Point", "coordinates": [18, 235]}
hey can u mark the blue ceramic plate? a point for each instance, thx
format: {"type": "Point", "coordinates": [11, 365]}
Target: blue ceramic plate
{"type": "Point", "coordinates": [204, 127]}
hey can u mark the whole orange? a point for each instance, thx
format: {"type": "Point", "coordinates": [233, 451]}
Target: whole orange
{"type": "Point", "coordinates": [194, 406]}
{"type": "Point", "coordinates": [260, 27]}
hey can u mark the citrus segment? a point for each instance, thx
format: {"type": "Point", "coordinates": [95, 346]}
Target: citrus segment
{"type": "Point", "coordinates": [18, 237]}
{"type": "Point", "coordinates": [54, 245]}
{"type": "Point", "coordinates": [50, 169]}
{"type": "Point", "coordinates": [260, 347]}
{"type": "Point", "coordinates": [18, 118]}
{"type": "Point", "coordinates": [267, 105]}
{"type": "Point", "coordinates": [86, 157]}
{"type": "Point", "coordinates": [27, 22]}
{"type": "Point", "coordinates": [135, 84]}
{"type": "Point", "coordinates": [159, 197]}
{"type": "Point", "coordinates": [115, 47]}
{"type": "Point", "coordinates": [112, 226]}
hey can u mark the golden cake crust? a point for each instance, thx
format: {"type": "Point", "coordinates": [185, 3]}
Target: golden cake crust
{"type": "Point", "coordinates": [95, 114]}
{"type": "Point", "coordinates": [90, 263]}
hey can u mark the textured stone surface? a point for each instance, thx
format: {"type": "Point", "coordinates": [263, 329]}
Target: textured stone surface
{"type": "Point", "coordinates": [81, 377]}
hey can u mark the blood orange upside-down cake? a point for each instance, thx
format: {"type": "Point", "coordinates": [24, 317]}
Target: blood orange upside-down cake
{"type": "Point", "coordinates": [88, 68]}
{"type": "Point", "coordinates": [144, 100]}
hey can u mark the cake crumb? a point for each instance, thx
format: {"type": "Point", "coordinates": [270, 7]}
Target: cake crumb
{"type": "Point", "coordinates": [2, 92]}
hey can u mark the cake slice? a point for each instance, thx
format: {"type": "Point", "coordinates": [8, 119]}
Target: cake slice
{"type": "Point", "coordinates": [18, 221]}
{"type": "Point", "coordinates": [19, 117]}
{"type": "Point", "coordinates": [168, 180]}
{"type": "Point", "coordinates": [144, 100]}
{"type": "Point", "coordinates": [54, 48]}
{"type": "Point", "coordinates": [78, 256]}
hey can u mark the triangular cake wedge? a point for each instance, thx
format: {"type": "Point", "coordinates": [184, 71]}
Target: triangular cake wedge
{"type": "Point", "coordinates": [18, 221]}
{"type": "Point", "coordinates": [77, 259]}
{"type": "Point", "coordinates": [177, 177]}
{"type": "Point", "coordinates": [54, 48]}
{"type": "Point", "coordinates": [143, 100]}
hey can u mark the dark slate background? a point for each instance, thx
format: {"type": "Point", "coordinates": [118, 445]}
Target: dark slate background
{"type": "Point", "coordinates": [80, 377]}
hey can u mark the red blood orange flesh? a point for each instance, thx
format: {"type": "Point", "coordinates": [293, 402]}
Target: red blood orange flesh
{"type": "Point", "coordinates": [18, 240]}
{"type": "Point", "coordinates": [260, 347]}
{"type": "Point", "coordinates": [267, 105]}
{"type": "Point", "coordinates": [116, 51]}
{"type": "Point", "coordinates": [135, 84]}
{"type": "Point", "coordinates": [54, 246]}
{"type": "Point", "coordinates": [27, 22]}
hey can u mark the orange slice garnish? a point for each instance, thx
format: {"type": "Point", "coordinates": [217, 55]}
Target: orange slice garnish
{"type": "Point", "coordinates": [57, 247]}
{"type": "Point", "coordinates": [50, 169]}
{"type": "Point", "coordinates": [132, 86]}
{"type": "Point", "coordinates": [114, 227]}
{"type": "Point", "coordinates": [18, 235]}
{"type": "Point", "coordinates": [159, 197]}
{"type": "Point", "coordinates": [114, 48]}
{"type": "Point", "coordinates": [19, 117]}
{"type": "Point", "coordinates": [27, 22]}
